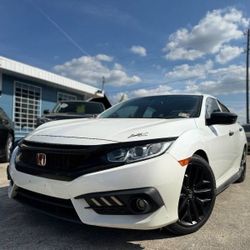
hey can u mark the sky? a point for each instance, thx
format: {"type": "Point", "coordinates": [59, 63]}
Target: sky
{"type": "Point", "coordinates": [141, 47]}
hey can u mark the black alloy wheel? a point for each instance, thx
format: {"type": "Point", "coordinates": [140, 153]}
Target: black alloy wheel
{"type": "Point", "coordinates": [197, 197]}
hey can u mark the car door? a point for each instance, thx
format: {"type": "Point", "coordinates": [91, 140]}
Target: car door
{"type": "Point", "coordinates": [235, 140]}
{"type": "Point", "coordinates": [221, 143]}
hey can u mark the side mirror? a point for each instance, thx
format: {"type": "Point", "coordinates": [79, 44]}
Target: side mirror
{"type": "Point", "coordinates": [46, 112]}
{"type": "Point", "coordinates": [222, 118]}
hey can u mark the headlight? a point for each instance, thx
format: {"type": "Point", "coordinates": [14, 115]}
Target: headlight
{"type": "Point", "coordinates": [138, 153]}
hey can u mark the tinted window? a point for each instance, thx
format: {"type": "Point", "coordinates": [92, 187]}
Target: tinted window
{"type": "Point", "coordinates": [79, 108]}
{"type": "Point", "coordinates": [224, 108]}
{"type": "Point", "coordinates": [3, 116]}
{"type": "Point", "coordinates": [168, 106]}
{"type": "Point", "coordinates": [246, 128]}
{"type": "Point", "coordinates": [211, 106]}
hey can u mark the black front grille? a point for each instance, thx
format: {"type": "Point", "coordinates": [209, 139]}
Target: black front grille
{"type": "Point", "coordinates": [54, 160]}
{"type": "Point", "coordinates": [63, 162]}
{"type": "Point", "coordinates": [60, 208]}
{"type": "Point", "coordinates": [67, 162]}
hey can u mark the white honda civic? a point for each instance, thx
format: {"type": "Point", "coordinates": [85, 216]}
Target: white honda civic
{"type": "Point", "coordinates": [145, 163]}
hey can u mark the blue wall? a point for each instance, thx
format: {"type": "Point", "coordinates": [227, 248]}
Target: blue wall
{"type": "Point", "coordinates": [48, 98]}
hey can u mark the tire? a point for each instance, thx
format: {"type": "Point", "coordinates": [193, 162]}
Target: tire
{"type": "Point", "coordinates": [197, 197]}
{"type": "Point", "coordinates": [8, 147]}
{"type": "Point", "coordinates": [243, 166]}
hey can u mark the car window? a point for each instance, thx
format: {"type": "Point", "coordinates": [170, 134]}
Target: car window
{"type": "Point", "coordinates": [246, 128]}
{"type": "Point", "coordinates": [79, 108]}
{"type": "Point", "coordinates": [149, 112]}
{"type": "Point", "coordinates": [128, 111]}
{"type": "Point", "coordinates": [211, 107]}
{"type": "Point", "coordinates": [224, 108]}
{"type": "Point", "coordinates": [164, 107]}
{"type": "Point", "coordinates": [3, 116]}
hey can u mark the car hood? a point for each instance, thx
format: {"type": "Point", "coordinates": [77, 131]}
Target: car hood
{"type": "Point", "coordinates": [108, 130]}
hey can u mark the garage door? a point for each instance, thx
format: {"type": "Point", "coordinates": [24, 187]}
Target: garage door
{"type": "Point", "coordinates": [27, 107]}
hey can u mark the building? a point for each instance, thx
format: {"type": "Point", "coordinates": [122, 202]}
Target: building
{"type": "Point", "coordinates": [26, 91]}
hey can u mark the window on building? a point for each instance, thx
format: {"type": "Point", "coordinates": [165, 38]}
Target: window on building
{"type": "Point", "coordinates": [27, 106]}
{"type": "Point", "coordinates": [65, 97]}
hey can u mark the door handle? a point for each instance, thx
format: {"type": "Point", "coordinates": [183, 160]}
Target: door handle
{"type": "Point", "coordinates": [231, 133]}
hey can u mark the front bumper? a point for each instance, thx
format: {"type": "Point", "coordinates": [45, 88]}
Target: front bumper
{"type": "Point", "coordinates": [162, 173]}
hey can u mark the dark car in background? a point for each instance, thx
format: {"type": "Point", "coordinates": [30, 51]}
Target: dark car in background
{"type": "Point", "coordinates": [71, 110]}
{"type": "Point", "coordinates": [6, 136]}
{"type": "Point", "coordinates": [247, 131]}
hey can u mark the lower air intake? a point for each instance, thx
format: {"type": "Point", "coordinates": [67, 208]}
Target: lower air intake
{"type": "Point", "coordinates": [124, 202]}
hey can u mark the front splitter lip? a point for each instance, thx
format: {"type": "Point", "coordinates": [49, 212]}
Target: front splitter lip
{"type": "Point", "coordinates": [163, 173]}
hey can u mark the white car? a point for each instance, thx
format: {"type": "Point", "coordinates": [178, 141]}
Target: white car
{"type": "Point", "coordinates": [145, 163]}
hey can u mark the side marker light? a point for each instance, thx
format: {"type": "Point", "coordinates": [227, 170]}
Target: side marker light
{"type": "Point", "coordinates": [184, 162]}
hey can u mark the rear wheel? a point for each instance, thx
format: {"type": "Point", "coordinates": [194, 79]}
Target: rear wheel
{"type": "Point", "coordinates": [243, 167]}
{"type": "Point", "coordinates": [197, 197]}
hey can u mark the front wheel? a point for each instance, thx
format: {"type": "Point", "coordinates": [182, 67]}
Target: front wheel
{"type": "Point", "coordinates": [197, 197]}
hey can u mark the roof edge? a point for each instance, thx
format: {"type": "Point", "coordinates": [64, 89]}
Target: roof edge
{"type": "Point", "coordinates": [46, 76]}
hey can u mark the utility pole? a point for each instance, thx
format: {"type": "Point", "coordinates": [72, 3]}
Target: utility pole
{"type": "Point", "coordinates": [247, 77]}
{"type": "Point", "coordinates": [103, 82]}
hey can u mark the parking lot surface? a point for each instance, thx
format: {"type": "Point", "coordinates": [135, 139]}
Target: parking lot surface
{"type": "Point", "coordinates": [227, 228]}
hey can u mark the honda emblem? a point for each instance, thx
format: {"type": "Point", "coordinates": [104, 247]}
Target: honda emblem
{"type": "Point", "coordinates": [41, 159]}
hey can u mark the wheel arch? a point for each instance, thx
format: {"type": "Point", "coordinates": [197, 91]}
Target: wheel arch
{"type": "Point", "coordinates": [202, 154]}
{"type": "Point", "coordinates": [189, 143]}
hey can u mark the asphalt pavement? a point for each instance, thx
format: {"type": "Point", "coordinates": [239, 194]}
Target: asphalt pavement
{"type": "Point", "coordinates": [227, 228]}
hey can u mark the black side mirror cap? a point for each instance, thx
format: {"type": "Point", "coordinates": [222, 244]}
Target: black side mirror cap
{"type": "Point", "coordinates": [225, 118]}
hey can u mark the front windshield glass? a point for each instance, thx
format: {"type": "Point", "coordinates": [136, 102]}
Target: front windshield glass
{"type": "Point", "coordinates": [165, 107]}
{"type": "Point", "coordinates": [79, 108]}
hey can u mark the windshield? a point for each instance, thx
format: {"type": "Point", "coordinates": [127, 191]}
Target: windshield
{"type": "Point", "coordinates": [168, 106]}
{"type": "Point", "coordinates": [79, 108]}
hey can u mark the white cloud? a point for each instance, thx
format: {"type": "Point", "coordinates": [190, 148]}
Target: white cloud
{"type": "Point", "coordinates": [157, 90]}
{"type": "Point", "coordinates": [184, 54]}
{"type": "Point", "coordinates": [204, 78]}
{"type": "Point", "coordinates": [185, 71]}
{"type": "Point", "coordinates": [228, 53]}
{"type": "Point", "coordinates": [91, 69]}
{"type": "Point", "coordinates": [238, 107]}
{"type": "Point", "coordinates": [213, 31]}
{"type": "Point", "coordinates": [138, 50]}
{"type": "Point", "coordinates": [105, 58]}
{"type": "Point", "coordinates": [221, 81]}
